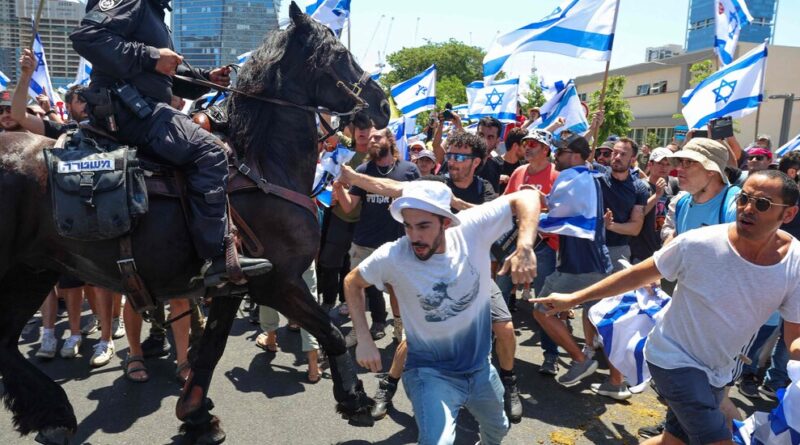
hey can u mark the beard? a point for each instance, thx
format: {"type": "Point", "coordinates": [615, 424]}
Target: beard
{"type": "Point", "coordinates": [431, 249]}
{"type": "Point", "coordinates": [383, 151]}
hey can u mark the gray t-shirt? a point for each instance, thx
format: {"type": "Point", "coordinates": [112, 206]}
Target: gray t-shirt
{"type": "Point", "coordinates": [720, 301]}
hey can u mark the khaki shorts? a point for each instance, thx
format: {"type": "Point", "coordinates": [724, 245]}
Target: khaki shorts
{"type": "Point", "coordinates": [358, 254]}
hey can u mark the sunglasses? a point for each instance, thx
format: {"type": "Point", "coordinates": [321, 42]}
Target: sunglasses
{"type": "Point", "coordinates": [757, 158]}
{"type": "Point", "coordinates": [458, 157]}
{"type": "Point", "coordinates": [561, 150]}
{"type": "Point", "coordinates": [5, 109]}
{"type": "Point", "coordinates": [761, 204]}
{"type": "Point", "coordinates": [684, 163]}
{"type": "Point", "coordinates": [603, 153]}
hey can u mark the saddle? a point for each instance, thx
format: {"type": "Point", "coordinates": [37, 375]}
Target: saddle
{"type": "Point", "coordinates": [101, 188]}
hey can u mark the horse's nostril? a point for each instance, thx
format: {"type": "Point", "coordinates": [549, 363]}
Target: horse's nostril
{"type": "Point", "coordinates": [385, 107]}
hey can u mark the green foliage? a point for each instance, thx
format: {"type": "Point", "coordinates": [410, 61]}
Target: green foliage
{"type": "Point", "coordinates": [450, 89]}
{"type": "Point", "coordinates": [534, 97]}
{"type": "Point", "coordinates": [618, 115]}
{"type": "Point", "coordinates": [651, 139]}
{"type": "Point", "coordinates": [452, 59]}
{"type": "Point", "coordinates": [700, 71]}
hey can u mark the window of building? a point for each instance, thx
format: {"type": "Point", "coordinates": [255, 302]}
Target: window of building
{"type": "Point", "coordinates": [643, 90]}
{"type": "Point", "coordinates": [582, 97]}
{"type": "Point", "coordinates": [659, 87]}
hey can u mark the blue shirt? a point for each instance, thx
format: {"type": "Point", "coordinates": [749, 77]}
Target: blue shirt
{"type": "Point", "coordinates": [579, 255]}
{"type": "Point", "coordinates": [621, 197]}
{"type": "Point", "coordinates": [691, 215]}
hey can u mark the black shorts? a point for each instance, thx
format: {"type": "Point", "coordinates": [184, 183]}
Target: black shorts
{"type": "Point", "coordinates": [66, 281]}
{"type": "Point", "coordinates": [500, 312]}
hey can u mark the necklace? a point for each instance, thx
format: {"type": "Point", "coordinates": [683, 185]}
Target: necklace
{"type": "Point", "coordinates": [391, 167]}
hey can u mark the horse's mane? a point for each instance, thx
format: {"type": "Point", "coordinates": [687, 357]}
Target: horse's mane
{"type": "Point", "coordinates": [21, 153]}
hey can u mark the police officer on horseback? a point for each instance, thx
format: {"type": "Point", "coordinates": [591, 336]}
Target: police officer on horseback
{"type": "Point", "coordinates": [131, 50]}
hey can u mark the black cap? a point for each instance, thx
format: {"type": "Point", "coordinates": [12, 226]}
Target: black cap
{"type": "Point", "coordinates": [576, 143]}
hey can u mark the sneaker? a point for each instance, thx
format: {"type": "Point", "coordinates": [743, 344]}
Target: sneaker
{"type": "Point", "coordinates": [577, 371]}
{"type": "Point", "coordinates": [378, 330]}
{"type": "Point", "coordinates": [344, 310]}
{"type": "Point", "coordinates": [748, 386]}
{"type": "Point", "coordinates": [351, 339]}
{"type": "Point", "coordinates": [511, 402]}
{"type": "Point", "coordinates": [71, 346]}
{"type": "Point", "coordinates": [549, 366]}
{"type": "Point", "coordinates": [91, 326]}
{"type": "Point", "coordinates": [155, 346]}
{"type": "Point", "coordinates": [383, 398]}
{"type": "Point", "coordinates": [103, 352]}
{"type": "Point", "coordinates": [768, 392]}
{"type": "Point", "coordinates": [620, 392]}
{"type": "Point", "coordinates": [117, 328]}
{"type": "Point", "coordinates": [647, 432]}
{"type": "Point", "coordinates": [397, 331]}
{"type": "Point", "coordinates": [47, 349]}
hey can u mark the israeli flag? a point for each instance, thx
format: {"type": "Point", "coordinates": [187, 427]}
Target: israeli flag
{"type": "Point", "coordinates": [577, 28]}
{"type": "Point", "coordinates": [376, 75]}
{"type": "Point", "coordinates": [572, 205]}
{"type": "Point", "coordinates": [329, 168]}
{"type": "Point", "coordinates": [331, 13]}
{"type": "Point", "coordinates": [623, 323]}
{"type": "Point", "coordinates": [402, 128]}
{"type": "Point", "coordinates": [242, 58]}
{"type": "Point", "coordinates": [551, 88]}
{"type": "Point", "coordinates": [4, 81]}
{"type": "Point", "coordinates": [792, 145]}
{"type": "Point", "coordinates": [735, 90]}
{"type": "Point", "coordinates": [83, 77]}
{"type": "Point", "coordinates": [781, 426]}
{"type": "Point", "coordinates": [417, 94]}
{"type": "Point", "coordinates": [207, 100]}
{"type": "Point", "coordinates": [40, 81]}
{"type": "Point", "coordinates": [731, 16]}
{"type": "Point", "coordinates": [498, 100]}
{"type": "Point", "coordinates": [564, 104]}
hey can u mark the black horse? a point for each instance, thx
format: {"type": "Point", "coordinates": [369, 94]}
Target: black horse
{"type": "Point", "coordinates": [302, 67]}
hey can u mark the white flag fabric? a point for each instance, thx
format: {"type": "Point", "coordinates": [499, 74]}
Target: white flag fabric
{"type": "Point", "coordinates": [572, 205]}
{"type": "Point", "coordinates": [577, 28]}
{"type": "Point", "coordinates": [779, 427]}
{"type": "Point", "coordinates": [564, 104]}
{"type": "Point", "coordinates": [417, 94]}
{"type": "Point", "coordinates": [551, 88]}
{"type": "Point", "coordinates": [40, 81]}
{"type": "Point", "coordinates": [329, 167]}
{"type": "Point", "coordinates": [242, 58]}
{"type": "Point", "coordinates": [735, 90]}
{"type": "Point", "coordinates": [331, 13]}
{"type": "Point", "coordinates": [498, 100]}
{"type": "Point", "coordinates": [4, 81]}
{"type": "Point", "coordinates": [83, 77]}
{"type": "Point", "coordinates": [792, 145]}
{"type": "Point", "coordinates": [730, 16]}
{"type": "Point", "coordinates": [623, 323]}
{"type": "Point", "coordinates": [402, 128]}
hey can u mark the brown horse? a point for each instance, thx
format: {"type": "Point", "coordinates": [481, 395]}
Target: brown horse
{"type": "Point", "coordinates": [302, 67]}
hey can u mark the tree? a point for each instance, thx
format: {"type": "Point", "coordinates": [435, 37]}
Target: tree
{"type": "Point", "coordinates": [450, 89]}
{"type": "Point", "coordinates": [452, 59]}
{"type": "Point", "coordinates": [618, 115]}
{"type": "Point", "coordinates": [700, 71]}
{"type": "Point", "coordinates": [534, 97]}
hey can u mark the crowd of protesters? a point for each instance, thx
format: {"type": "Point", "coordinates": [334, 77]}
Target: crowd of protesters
{"type": "Point", "coordinates": [648, 198]}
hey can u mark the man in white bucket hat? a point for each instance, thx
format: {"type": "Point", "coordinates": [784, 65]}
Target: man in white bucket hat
{"type": "Point", "coordinates": [440, 273]}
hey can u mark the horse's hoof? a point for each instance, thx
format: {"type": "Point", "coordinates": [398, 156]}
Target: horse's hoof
{"type": "Point", "coordinates": [54, 436]}
{"type": "Point", "coordinates": [209, 433]}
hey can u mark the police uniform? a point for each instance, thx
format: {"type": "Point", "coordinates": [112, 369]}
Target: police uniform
{"type": "Point", "coordinates": [121, 38]}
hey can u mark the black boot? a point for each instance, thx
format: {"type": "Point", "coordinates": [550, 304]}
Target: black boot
{"type": "Point", "coordinates": [155, 346]}
{"type": "Point", "coordinates": [511, 401]}
{"type": "Point", "coordinates": [215, 272]}
{"type": "Point", "coordinates": [383, 397]}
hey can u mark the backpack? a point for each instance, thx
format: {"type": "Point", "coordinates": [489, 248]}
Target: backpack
{"type": "Point", "coordinates": [723, 206]}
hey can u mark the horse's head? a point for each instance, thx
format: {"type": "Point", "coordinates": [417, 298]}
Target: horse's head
{"type": "Point", "coordinates": [306, 64]}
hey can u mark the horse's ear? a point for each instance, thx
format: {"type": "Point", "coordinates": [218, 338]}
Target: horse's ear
{"type": "Point", "coordinates": [298, 17]}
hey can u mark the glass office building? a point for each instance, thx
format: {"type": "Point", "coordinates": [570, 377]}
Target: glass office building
{"type": "Point", "coordinates": [700, 31]}
{"type": "Point", "coordinates": [212, 33]}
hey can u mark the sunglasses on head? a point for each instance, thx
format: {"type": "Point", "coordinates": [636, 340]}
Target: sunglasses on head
{"type": "Point", "coordinates": [458, 157]}
{"type": "Point", "coordinates": [761, 204]}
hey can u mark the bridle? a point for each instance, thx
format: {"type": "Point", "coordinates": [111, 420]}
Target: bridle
{"type": "Point", "coordinates": [353, 90]}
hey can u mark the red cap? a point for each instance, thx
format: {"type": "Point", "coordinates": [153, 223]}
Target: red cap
{"type": "Point", "coordinates": [756, 151]}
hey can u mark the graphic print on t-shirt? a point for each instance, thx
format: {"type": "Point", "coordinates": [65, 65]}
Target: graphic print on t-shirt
{"type": "Point", "coordinates": [439, 305]}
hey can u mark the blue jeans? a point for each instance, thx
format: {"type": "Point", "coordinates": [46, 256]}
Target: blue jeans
{"type": "Point", "coordinates": [777, 377]}
{"type": "Point", "coordinates": [545, 265]}
{"type": "Point", "coordinates": [437, 396]}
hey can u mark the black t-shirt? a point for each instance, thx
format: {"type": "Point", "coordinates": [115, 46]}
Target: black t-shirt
{"type": "Point", "coordinates": [477, 193]}
{"type": "Point", "coordinates": [621, 197]}
{"type": "Point", "coordinates": [649, 239]}
{"type": "Point", "coordinates": [493, 168]}
{"type": "Point", "coordinates": [376, 225]}
{"type": "Point", "coordinates": [793, 226]}
{"type": "Point", "coordinates": [53, 130]}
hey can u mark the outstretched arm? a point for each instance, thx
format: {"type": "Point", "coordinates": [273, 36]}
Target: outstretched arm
{"type": "Point", "coordinates": [19, 101]}
{"type": "Point", "coordinates": [367, 354]}
{"type": "Point", "coordinates": [381, 186]}
{"type": "Point", "coordinates": [522, 263]}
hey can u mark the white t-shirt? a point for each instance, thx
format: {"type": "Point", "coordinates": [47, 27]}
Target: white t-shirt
{"type": "Point", "coordinates": [721, 299]}
{"type": "Point", "coordinates": [445, 300]}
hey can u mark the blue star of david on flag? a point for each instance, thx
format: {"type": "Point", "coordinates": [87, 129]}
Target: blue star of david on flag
{"type": "Point", "coordinates": [724, 91]}
{"type": "Point", "coordinates": [494, 99]}
{"type": "Point", "coordinates": [39, 59]}
{"type": "Point", "coordinates": [421, 90]}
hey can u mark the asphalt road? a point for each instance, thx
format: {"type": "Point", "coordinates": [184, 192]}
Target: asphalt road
{"type": "Point", "coordinates": [265, 399]}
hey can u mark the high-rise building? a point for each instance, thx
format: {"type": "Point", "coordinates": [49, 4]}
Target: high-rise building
{"type": "Point", "coordinates": [211, 33]}
{"type": "Point", "coordinates": [701, 26]}
{"type": "Point", "coordinates": [662, 52]}
{"type": "Point", "coordinates": [58, 19]}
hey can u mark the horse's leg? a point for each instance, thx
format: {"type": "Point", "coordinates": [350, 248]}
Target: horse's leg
{"type": "Point", "coordinates": [193, 406]}
{"type": "Point", "coordinates": [35, 401]}
{"type": "Point", "coordinates": [292, 298]}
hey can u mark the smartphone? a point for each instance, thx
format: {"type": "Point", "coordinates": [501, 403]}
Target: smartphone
{"type": "Point", "coordinates": [721, 128]}
{"type": "Point", "coordinates": [700, 134]}
{"type": "Point", "coordinates": [447, 115]}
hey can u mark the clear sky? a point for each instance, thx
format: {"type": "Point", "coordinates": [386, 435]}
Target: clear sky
{"type": "Point", "coordinates": [641, 24]}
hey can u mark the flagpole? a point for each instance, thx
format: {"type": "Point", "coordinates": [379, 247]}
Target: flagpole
{"type": "Point", "coordinates": [36, 24]}
{"type": "Point", "coordinates": [605, 84]}
{"type": "Point", "coordinates": [349, 29]}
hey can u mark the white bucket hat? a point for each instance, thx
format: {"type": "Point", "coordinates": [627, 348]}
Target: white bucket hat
{"type": "Point", "coordinates": [430, 196]}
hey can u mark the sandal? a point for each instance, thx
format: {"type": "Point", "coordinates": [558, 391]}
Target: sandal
{"type": "Point", "coordinates": [179, 372]}
{"type": "Point", "coordinates": [130, 359]}
{"type": "Point", "coordinates": [261, 342]}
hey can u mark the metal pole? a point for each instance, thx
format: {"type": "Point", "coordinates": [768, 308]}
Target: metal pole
{"type": "Point", "coordinates": [36, 24]}
{"type": "Point", "coordinates": [605, 84]}
{"type": "Point", "coordinates": [349, 31]}
{"type": "Point", "coordinates": [758, 118]}
{"type": "Point", "coordinates": [786, 120]}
